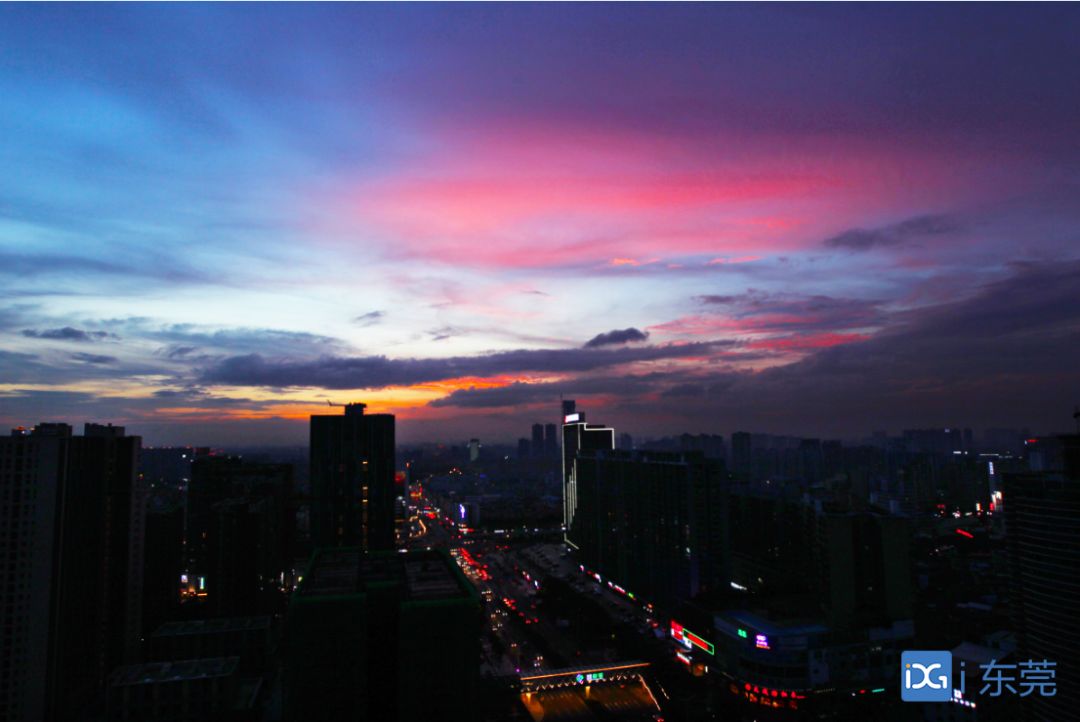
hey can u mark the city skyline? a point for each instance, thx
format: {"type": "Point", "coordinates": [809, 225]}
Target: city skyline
{"type": "Point", "coordinates": [804, 220]}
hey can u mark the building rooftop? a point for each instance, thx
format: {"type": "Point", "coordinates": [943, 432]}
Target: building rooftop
{"type": "Point", "coordinates": [777, 627]}
{"type": "Point", "coordinates": [166, 672]}
{"type": "Point", "coordinates": [427, 578]}
{"type": "Point", "coordinates": [212, 626]}
{"type": "Point", "coordinates": [419, 574]}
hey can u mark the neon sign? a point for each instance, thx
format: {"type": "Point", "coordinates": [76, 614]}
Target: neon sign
{"type": "Point", "coordinates": [591, 677]}
{"type": "Point", "coordinates": [687, 638]}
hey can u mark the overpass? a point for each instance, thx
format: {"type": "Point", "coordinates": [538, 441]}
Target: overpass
{"type": "Point", "coordinates": [581, 676]}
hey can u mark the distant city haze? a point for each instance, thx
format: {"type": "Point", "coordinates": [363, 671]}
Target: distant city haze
{"type": "Point", "coordinates": [805, 220]}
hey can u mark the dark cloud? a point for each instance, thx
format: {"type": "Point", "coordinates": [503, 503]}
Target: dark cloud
{"type": "Point", "coordinates": [178, 352]}
{"type": "Point", "coordinates": [616, 337]}
{"type": "Point", "coordinates": [370, 318]}
{"type": "Point", "coordinates": [183, 339]}
{"type": "Point", "coordinates": [172, 393]}
{"type": "Point", "coordinates": [443, 333]}
{"type": "Point", "coordinates": [202, 398]}
{"type": "Point", "coordinates": [897, 234]}
{"type": "Point", "coordinates": [1010, 354]}
{"type": "Point", "coordinates": [93, 358]}
{"type": "Point", "coordinates": [523, 394]}
{"type": "Point", "coordinates": [763, 311]}
{"type": "Point", "coordinates": [67, 333]}
{"type": "Point", "coordinates": [12, 358]}
{"type": "Point", "coordinates": [514, 395]}
{"type": "Point", "coordinates": [1007, 355]}
{"type": "Point", "coordinates": [379, 371]}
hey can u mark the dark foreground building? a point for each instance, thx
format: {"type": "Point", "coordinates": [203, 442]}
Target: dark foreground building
{"type": "Point", "coordinates": [72, 511]}
{"type": "Point", "coordinates": [655, 522]}
{"type": "Point", "coordinates": [192, 690]}
{"type": "Point", "coordinates": [382, 636]}
{"type": "Point", "coordinates": [240, 520]}
{"type": "Point", "coordinates": [1042, 522]}
{"type": "Point", "coordinates": [352, 479]}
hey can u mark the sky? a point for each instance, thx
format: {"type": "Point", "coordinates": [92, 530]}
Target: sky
{"type": "Point", "coordinates": [806, 219]}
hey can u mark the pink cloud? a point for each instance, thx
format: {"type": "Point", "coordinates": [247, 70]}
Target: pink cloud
{"type": "Point", "coordinates": [737, 259]}
{"type": "Point", "coordinates": [547, 194]}
{"type": "Point", "coordinates": [802, 343]}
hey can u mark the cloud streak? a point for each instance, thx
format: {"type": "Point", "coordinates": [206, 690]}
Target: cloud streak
{"type": "Point", "coordinates": [905, 232]}
{"type": "Point", "coordinates": [371, 372]}
{"type": "Point", "coordinates": [67, 333]}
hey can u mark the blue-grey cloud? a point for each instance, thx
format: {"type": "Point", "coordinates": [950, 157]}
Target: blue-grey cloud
{"type": "Point", "coordinates": [904, 232]}
{"type": "Point", "coordinates": [67, 333]}
{"type": "Point", "coordinates": [778, 311]}
{"type": "Point", "coordinates": [444, 332]}
{"type": "Point", "coordinates": [184, 339]}
{"type": "Point", "coordinates": [93, 358]}
{"type": "Point", "coordinates": [370, 318]}
{"type": "Point", "coordinates": [179, 352]}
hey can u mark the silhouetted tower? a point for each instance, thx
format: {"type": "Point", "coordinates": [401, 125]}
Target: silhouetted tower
{"type": "Point", "coordinates": [538, 440]}
{"type": "Point", "coordinates": [551, 444]}
{"type": "Point", "coordinates": [352, 479]}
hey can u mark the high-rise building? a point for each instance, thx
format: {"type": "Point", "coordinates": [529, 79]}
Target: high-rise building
{"type": "Point", "coordinates": [829, 596]}
{"type": "Point", "coordinates": [771, 539]}
{"type": "Point", "coordinates": [72, 509]}
{"type": "Point", "coordinates": [538, 440]}
{"type": "Point", "coordinates": [937, 441]}
{"type": "Point", "coordinates": [1042, 525]}
{"type": "Point", "coordinates": [653, 522]}
{"type": "Point", "coordinates": [164, 556]}
{"type": "Point", "coordinates": [863, 569]}
{"type": "Point", "coordinates": [741, 454]}
{"type": "Point", "coordinates": [810, 460]}
{"type": "Point", "coordinates": [240, 522]}
{"type": "Point", "coordinates": [382, 636]}
{"type": "Point", "coordinates": [474, 450]}
{"type": "Point", "coordinates": [578, 436]}
{"type": "Point", "coordinates": [352, 479]}
{"type": "Point", "coordinates": [551, 441]}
